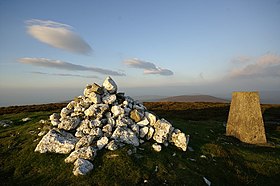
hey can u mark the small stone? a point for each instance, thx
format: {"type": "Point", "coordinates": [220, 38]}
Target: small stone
{"type": "Point", "coordinates": [207, 181]}
{"type": "Point", "coordinates": [82, 167]}
{"type": "Point", "coordinates": [110, 85]}
{"type": "Point", "coordinates": [54, 116]}
{"type": "Point", "coordinates": [109, 99]}
{"type": "Point", "coordinates": [125, 135]}
{"type": "Point", "coordinates": [26, 119]}
{"type": "Point", "coordinates": [151, 117]}
{"type": "Point", "coordinates": [65, 112]}
{"type": "Point", "coordinates": [144, 131]}
{"type": "Point", "coordinates": [97, 132]}
{"type": "Point", "coordinates": [156, 147]}
{"type": "Point", "coordinates": [143, 122]}
{"type": "Point", "coordinates": [112, 145]}
{"type": "Point", "coordinates": [69, 123]}
{"type": "Point", "coordinates": [135, 128]}
{"type": "Point", "coordinates": [136, 115]}
{"type": "Point", "coordinates": [150, 133]}
{"type": "Point", "coordinates": [102, 142]}
{"type": "Point", "coordinates": [162, 130]}
{"type": "Point", "coordinates": [95, 98]}
{"type": "Point", "coordinates": [117, 110]}
{"type": "Point", "coordinates": [86, 153]}
{"type": "Point", "coordinates": [42, 133]}
{"type": "Point", "coordinates": [179, 139]}
{"type": "Point", "coordinates": [90, 111]}
{"type": "Point", "coordinates": [203, 156]}
{"type": "Point", "coordinates": [84, 141]}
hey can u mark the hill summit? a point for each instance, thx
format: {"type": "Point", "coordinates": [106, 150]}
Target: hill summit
{"type": "Point", "coordinates": [104, 119]}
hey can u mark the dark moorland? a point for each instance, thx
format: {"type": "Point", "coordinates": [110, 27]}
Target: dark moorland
{"type": "Point", "coordinates": [222, 160]}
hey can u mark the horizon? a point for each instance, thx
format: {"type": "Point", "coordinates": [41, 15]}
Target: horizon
{"type": "Point", "coordinates": [50, 50]}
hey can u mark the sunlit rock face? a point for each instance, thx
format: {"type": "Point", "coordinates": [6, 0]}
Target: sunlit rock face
{"type": "Point", "coordinates": [103, 119]}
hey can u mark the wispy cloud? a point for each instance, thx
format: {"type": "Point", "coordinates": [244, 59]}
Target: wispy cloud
{"type": "Point", "coordinates": [265, 66]}
{"type": "Point", "coordinates": [64, 75]}
{"type": "Point", "coordinates": [57, 35]}
{"type": "Point", "coordinates": [43, 62]}
{"type": "Point", "coordinates": [149, 68]}
{"type": "Point", "coordinates": [242, 59]}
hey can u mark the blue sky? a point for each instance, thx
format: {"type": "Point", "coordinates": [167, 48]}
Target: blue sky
{"type": "Point", "coordinates": [51, 49]}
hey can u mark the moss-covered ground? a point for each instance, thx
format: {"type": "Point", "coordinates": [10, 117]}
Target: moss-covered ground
{"type": "Point", "coordinates": [222, 160]}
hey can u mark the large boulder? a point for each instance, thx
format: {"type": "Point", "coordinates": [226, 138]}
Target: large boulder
{"type": "Point", "coordinates": [86, 153]}
{"type": "Point", "coordinates": [125, 135]}
{"type": "Point", "coordinates": [162, 130]}
{"type": "Point", "coordinates": [110, 85]}
{"type": "Point", "coordinates": [57, 141]}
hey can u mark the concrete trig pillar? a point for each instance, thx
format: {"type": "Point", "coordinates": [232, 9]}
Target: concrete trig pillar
{"type": "Point", "coordinates": [245, 120]}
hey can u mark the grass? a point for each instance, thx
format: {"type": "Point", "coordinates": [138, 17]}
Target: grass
{"type": "Point", "coordinates": [225, 160]}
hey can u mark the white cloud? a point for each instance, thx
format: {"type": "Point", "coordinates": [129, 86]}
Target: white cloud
{"type": "Point", "coordinates": [149, 68]}
{"type": "Point", "coordinates": [265, 66]}
{"type": "Point", "coordinates": [241, 59]}
{"type": "Point", "coordinates": [57, 35]}
{"type": "Point", "coordinates": [64, 75]}
{"type": "Point", "coordinates": [43, 62]}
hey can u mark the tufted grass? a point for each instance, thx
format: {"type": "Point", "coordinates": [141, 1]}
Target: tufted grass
{"type": "Point", "coordinates": [226, 160]}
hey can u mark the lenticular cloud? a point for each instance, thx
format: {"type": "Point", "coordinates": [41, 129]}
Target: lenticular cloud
{"type": "Point", "coordinates": [57, 35]}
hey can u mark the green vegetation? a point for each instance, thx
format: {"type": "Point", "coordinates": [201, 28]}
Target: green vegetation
{"type": "Point", "coordinates": [222, 160]}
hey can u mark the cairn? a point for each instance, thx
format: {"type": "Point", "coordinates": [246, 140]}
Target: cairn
{"type": "Point", "coordinates": [104, 119]}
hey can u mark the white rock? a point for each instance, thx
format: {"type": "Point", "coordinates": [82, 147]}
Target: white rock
{"type": "Point", "coordinates": [91, 111]}
{"type": "Point", "coordinates": [179, 139]}
{"type": "Point", "coordinates": [84, 141]}
{"type": "Point", "coordinates": [71, 105]}
{"type": "Point", "coordinates": [156, 147]}
{"type": "Point", "coordinates": [65, 112]}
{"type": "Point", "coordinates": [125, 135]}
{"type": "Point", "coordinates": [112, 145]}
{"type": "Point", "coordinates": [150, 133]}
{"type": "Point", "coordinates": [82, 167]}
{"type": "Point", "coordinates": [162, 130]}
{"type": "Point", "coordinates": [102, 142]}
{"type": "Point", "coordinates": [117, 110]}
{"type": "Point", "coordinates": [55, 122]}
{"type": "Point", "coordinates": [26, 119]}
{"type": "Point", "coordinates": [143, 122]}
{"type": "Point", "coordinates": [151, 117]}
{"type": "Point", "coordinates": [110, 85]}
{"type": "Point", "coordinates": [42, 133]}
{"type": "Point", "coordinates": [144, 131]}
{"type": "Point", "coordinates": [86, 153]}
{"type": "Point", "coordinates": [207, 181]}
{"type": "Point", "coordinates": [54, 116]}
{"type": "Point", "coordinates": [135, 128]}
{"type": "Point", "coordinates": [95, 98]}
{"type": "Point", "coordinates": [107, 128]}
{"type": "Point", "coordinates": [109, 99]}
{"type": "Point", "coordinates": [69, 123]}
{"type": "Point", "coordinates": [96, 132]}
{"type": "Point", "coordinates": [57, 141]}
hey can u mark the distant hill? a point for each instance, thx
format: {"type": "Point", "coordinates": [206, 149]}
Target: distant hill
{"type": "Point", "coordinates": [194, 98]}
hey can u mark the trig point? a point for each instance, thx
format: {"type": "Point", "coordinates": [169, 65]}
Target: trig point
{"type": "Point", "coordinates": [245, 120]}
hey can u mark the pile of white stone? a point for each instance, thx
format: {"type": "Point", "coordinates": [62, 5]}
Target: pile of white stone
{"type": "Point", "coordinates": [103, 118]}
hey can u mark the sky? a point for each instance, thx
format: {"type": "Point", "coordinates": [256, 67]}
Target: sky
{"type": "Point", "coordinates": [50, 50]}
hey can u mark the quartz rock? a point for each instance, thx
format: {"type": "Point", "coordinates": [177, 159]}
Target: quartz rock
{"type": "Point", "coordinates": [151, 117]}
{"type": "Point", "coordinates": [162, 130]}
{"type": "Point", "coordinates": [95, 98]}
{"type": "Point", "coordinates": [110, 85]}
{"type": "Point", "coordinates": [125, 135]}
{"type": "Point", "coordinates": [57, 141]}
{"type": "Point", "coordinates": [136, 115]}
{"type": "Point", "coordinates": [179, 139]}
{"type": "Point", "coordinates": [93, 88]}
{"type": "Point", "coordinates": [135, 128]}
{"type": "Point", "coordinates": [144, 131]}
{"type": "Point", "coordinates": [69, 123]}
{"type": "Point", "coordinates": [84, 141]}
{"type": "Point", "coordinates": [156, 147]}
{"type": "Point", "coordinates": [143, 122]}
{"type": "Point", "coordinates": [112, 145]}
{"type": "Point", "coordinates": [90, 111]}
{"type": "Point", "coordinates": [96, 132]}
{"type": "Point", "coordinates": [117, 110]}
{"type": "Point", "coordinates": [109, 99]}
{"type": "Point", "coordinates": [102, 142]}
{"type": "Point", "coordinates": [86, 153]}
{"type": "Point", "coordinates": [54, 116]}
{"type": "Point", "coordinates": [150, 133]}
{"type": "Point", "coordinates": [65, 112]}
{"type": "Point", "coordinates": [82, 167]}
